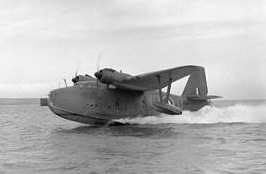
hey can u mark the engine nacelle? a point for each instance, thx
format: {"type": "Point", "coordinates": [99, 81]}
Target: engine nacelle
{"type": "Point", "coordinates": [109, 76]}
{"type": "Point", "coordinates": [80, 78]}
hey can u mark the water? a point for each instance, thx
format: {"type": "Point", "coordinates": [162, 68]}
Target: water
{"type": "Point", "coordinates": [229, 137]}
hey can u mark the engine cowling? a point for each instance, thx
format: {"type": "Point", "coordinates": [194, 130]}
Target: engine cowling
{"type": "Point", "coordinates": [109, 76]}
{"type": "Point", "coordinates": [80, 78]}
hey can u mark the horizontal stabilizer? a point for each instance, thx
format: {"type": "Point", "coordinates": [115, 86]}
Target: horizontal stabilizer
{"type": "Point", "coordinates": [202, 98]}
{"type": "Point", "coordinates": [167, 109]}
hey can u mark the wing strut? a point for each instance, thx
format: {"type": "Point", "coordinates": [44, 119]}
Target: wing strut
{"type": "Point", "coordinates": [160, 89]}
{"type": "Point", "coordinates": [163, 106]}
{"type": "Point", "coordinates": [168, 90]}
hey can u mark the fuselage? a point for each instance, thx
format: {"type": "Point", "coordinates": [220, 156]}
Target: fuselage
{"type": "Point", "coordinates": [88, 100]}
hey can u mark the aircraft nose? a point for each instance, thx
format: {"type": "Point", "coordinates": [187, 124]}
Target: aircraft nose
{"type": "Point", "coordinates": [51, 97]}
{"type": "Point", "coordinates": [98, 75]}
{"type": "Point", "coordinates": [56, 97]}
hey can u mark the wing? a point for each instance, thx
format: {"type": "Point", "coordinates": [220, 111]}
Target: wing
{"type": "Point", "coordinates": [150, 81]}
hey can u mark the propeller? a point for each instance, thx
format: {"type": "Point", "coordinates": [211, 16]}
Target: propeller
{"type": "Point", "coordinates": [76, 73]}
{"type": "Point", "coordinates": [76, 78]}
{"type": "Point", "coordinates": [99, 60]}
{"type": "Point", "coordinates": [98, 74]}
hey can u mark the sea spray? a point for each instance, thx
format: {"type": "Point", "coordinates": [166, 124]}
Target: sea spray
{"type": "Point", "coordinates": [208, 115]}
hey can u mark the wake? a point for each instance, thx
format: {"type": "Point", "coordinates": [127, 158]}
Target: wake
{"type": "Point", "coordinates": [208, 115]}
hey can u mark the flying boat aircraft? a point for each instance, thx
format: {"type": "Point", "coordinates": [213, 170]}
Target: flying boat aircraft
{"type": "Point", "coordinates": [112, 95]}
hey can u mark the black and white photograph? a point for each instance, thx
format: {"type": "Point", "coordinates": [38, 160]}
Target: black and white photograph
{"type": "Point", "coordinates": [132, 86]}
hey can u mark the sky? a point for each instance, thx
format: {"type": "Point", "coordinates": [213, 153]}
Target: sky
{"type": "Point", "coordinates": [43, 42]}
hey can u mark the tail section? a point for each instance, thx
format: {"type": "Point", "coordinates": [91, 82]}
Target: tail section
{"type": "Point", "coordinates": [195, 93]}
{"type": "Point", "coordinates": [196, 84]}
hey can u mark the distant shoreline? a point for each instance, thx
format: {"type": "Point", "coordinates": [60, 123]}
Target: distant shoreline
{"type": "Point", "coordinates": [218, 102]}
{"type": "Point", "coordinates": [222, 99]}
{"type": "Point", "coordinates": [19, 101]}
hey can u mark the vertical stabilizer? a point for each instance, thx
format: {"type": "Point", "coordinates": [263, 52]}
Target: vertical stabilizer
{"type": "Point", "coordinates": [195, 93]}
{"type": "Point", "coordinates": [196, 84]}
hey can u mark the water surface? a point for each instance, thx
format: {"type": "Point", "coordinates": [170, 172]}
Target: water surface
{"type": "Point", "coordinates": [229, 137]}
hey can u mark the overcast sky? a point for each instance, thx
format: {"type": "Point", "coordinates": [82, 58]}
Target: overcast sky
{"type": "Point", "coordinates": [44, 41]}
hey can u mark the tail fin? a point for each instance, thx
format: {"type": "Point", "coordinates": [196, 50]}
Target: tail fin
{"type": "Point", "coordinates": [196, 84]}
{"type": "Point", "coordinates": [196, 88]}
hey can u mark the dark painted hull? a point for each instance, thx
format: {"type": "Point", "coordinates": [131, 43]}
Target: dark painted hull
{"type": "Point", "coordinates": [99, 105]}
{"type": "Point", "coordinates": [78, 117]}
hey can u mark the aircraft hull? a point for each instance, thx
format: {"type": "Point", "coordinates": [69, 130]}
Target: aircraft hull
{"type": "Point", "coordinates": [78, 117]}
{"type": "Point", "coordinates": [101, 105]}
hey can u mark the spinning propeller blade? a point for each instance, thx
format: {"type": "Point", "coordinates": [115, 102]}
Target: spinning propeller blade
{"type": "Point", "coordinates": [77, 69]}
{"type": "Point", "coordinates": [98, 66]}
